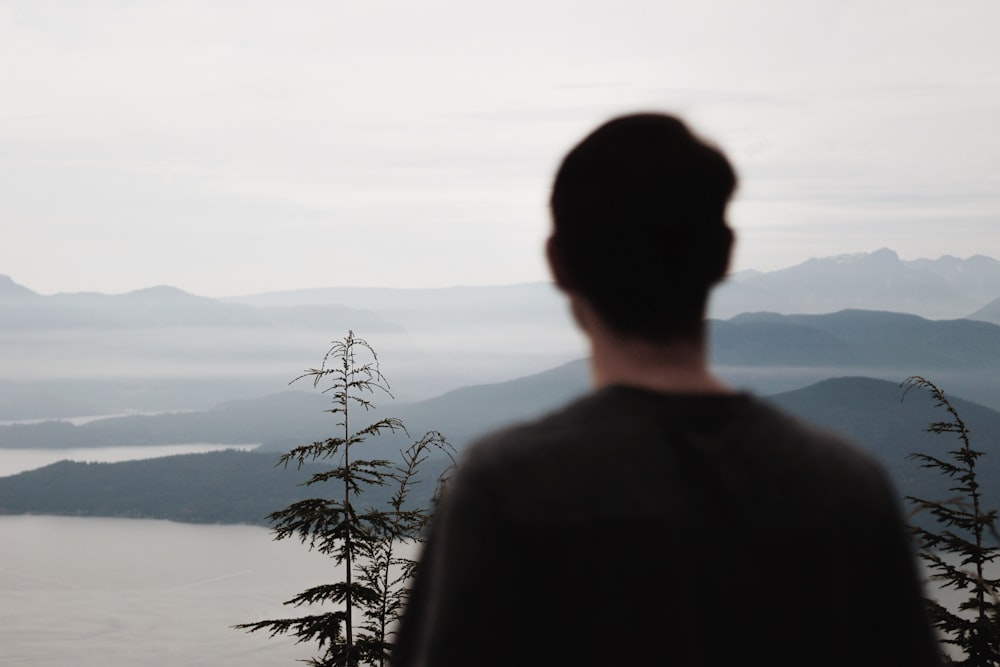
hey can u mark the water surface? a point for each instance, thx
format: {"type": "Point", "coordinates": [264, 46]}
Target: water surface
{"type": "Point", "coordinates": [88, 592]}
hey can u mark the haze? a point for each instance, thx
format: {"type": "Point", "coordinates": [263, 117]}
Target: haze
{"type": "Point", "coordinates": [232, 148]}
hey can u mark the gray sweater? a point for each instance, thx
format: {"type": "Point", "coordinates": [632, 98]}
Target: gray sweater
{"type": "Point", "coordinates": [633, 527]}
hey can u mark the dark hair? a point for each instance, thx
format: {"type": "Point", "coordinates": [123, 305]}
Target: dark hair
{"type": "Point", "coordinates": [639, 229]}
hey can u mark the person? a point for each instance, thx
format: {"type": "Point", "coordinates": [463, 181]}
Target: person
{"type": "Point", "coordinates": [664, 517]}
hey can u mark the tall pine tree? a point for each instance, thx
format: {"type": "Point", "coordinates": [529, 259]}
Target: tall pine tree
{"type": "Point", "coordinates": [958, 553]}
{"type": "Point", "coordinates": [366, 544]}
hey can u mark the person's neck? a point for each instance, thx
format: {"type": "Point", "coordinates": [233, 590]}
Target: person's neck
{"type": "Point", "coordinates": [677, 366]}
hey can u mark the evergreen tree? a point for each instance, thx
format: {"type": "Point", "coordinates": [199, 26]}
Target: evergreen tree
{"type": "Point", "coordinates": [364, 543]}
{"type": "Point", "coordinates": [958, 553]}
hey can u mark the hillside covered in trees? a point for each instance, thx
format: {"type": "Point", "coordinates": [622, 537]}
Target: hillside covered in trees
{"type": "Point", "coordinates": [242, 487]}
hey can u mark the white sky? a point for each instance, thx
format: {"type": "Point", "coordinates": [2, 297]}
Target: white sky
{"type": "Point", "coordinates": [232, 147]}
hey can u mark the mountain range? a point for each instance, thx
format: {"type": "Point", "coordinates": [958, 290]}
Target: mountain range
{"type": "Point", "coordinates": [762, 352]}
{"type": "Point", "coordinates": [144, 345]}
{"type": "Point", "coordinates": [944, 288]}
{"type": "Point", "coordinates": [79, 354]}
{"type": "Point", "coordinates": [830, 340]}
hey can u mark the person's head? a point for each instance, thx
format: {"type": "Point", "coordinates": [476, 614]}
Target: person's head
{"type": "Point", "coordinates": [639, 228]}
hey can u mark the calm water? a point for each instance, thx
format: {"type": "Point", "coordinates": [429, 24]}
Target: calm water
{"type": "Point", "coordinates": [81, 592]}
{"type": "Point", "coordinates": [84, 592]}
{"type": "Point", "coordinates": [77, 421]}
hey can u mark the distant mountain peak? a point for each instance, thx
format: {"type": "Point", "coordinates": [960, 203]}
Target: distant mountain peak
{"type": "Point", "coordinates": [947, 287]}
{"type": "Point", "coordinates": [162, 293]}
{"type": "Point", "coordinates": [158, 289]}
{"type": "Point", "coordinates": [882, 255]}
{"type": "Point", "coordinates": [9, 288]}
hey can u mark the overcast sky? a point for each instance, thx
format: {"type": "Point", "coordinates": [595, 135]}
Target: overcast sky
{"type": "Point", "coordinates": [236, 147]}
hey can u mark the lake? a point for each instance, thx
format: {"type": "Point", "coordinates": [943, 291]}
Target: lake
{"type": "Point", "coordinates": [91, 592]}
{"type": "Point", "coordinates": [81, 592]}
{"type": "Point", "coordinates": [86, 592]}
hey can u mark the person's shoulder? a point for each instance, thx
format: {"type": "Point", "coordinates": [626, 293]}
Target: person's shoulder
{"type": "Point", "coordinates": [627, 416]}
{"type": "Point", "coordinates": [523, 455]}
{"type": "Point", "coordinates": [786, 426]}
{"type": "Point", "coordinates": [531, 438]}
{"type": "Point", "coordinates": [795, 441]}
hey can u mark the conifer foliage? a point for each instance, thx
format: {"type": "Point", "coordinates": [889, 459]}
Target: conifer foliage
{"type": "Point", "coordinates": [957, 554]}
{"type": "Point", "coordinates": [365, 543]}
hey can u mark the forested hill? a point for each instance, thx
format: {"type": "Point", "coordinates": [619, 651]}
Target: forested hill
{"type": "Point", "coordinates": [218, 487]}
{"type": "Point", "coordinates": [890, 421]}
{"type": "Point", "coordinates": [231, 486]}
{"type": "Point", "coordinates": [769, 352]}
{"type": "Point", "coordinates": [242, 487]}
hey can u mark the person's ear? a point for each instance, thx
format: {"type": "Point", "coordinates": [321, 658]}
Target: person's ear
{"type": "Point", "coordinates": [556, 267]}
{"type": "Point", "coordinates": [727, 239]}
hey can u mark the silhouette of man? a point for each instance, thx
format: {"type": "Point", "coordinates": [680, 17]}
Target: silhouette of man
{"type": "Point", "coordinates": [663, 518]}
